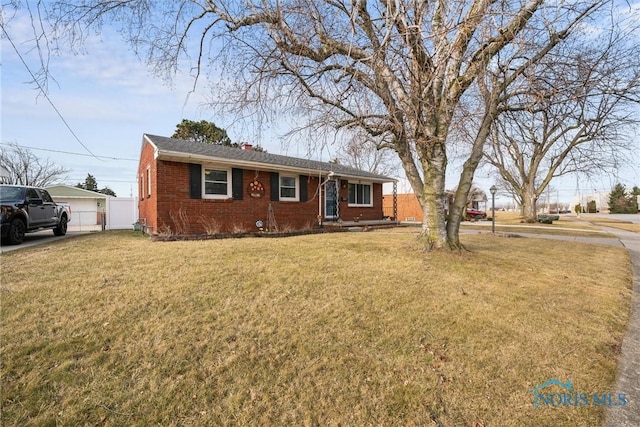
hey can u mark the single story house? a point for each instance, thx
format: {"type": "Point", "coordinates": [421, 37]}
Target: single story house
{"type": "Point", "coordinates": [91, 210]}
{"type": "Point", "coordinates": [5, 175]}
{"type": "Point", "coordinates": [188, 187]}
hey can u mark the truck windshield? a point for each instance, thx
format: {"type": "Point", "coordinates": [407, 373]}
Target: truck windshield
{"type": "Point", "coordinates": [11, 193]}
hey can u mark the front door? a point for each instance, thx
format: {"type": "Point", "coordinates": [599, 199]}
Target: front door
{"type": "Point", "coordinates": [330, 200]}
{"type": "Point", "coordinates": [49, 208]}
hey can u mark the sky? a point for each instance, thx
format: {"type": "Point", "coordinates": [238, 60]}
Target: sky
{"type": "Point", "coordinates": [99, 104]}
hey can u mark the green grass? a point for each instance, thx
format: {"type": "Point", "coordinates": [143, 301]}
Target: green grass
{"type": "Point", "coordinates": [333, 329]}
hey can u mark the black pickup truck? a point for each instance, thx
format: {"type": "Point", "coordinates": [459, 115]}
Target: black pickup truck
{"type": "Point", "coordinates": [25, 209]}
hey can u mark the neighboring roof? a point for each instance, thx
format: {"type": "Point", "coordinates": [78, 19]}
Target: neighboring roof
{"type": "Point", "coordinates": [182, 150]}
{"type": "Point", "coordinates": [74, 192]}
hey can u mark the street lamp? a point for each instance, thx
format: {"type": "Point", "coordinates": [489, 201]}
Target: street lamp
{"type": "Point", "coordinates": [493, 190]}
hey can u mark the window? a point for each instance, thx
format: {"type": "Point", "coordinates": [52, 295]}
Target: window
{"type": "Point", "coordinates": [217, 184]}
{"type": "Point", "coordinates": [46, 197]}
{"type": "Point", "coordinates": [32, 194]}
{"type": "Point", "coordinates": [360, 195]}
{"type": "Point", "coordinates": [289, 188]}
{"type": "Point", "coordinates": [149, 181]}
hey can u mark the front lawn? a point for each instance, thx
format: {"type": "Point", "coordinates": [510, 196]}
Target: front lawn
{"type": "Point", "coordinates": [333, 329]}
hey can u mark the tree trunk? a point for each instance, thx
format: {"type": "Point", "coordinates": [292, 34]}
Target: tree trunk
{"type": "Point", "coordinates": [529, 200]}
{"type": "Point", "coordinates": [434, 233]}
{"type": "Point", "coordinates": [458, 210]}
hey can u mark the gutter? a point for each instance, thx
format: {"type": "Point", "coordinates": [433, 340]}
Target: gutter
{"type": "Point", "coordinates": [179, 156]}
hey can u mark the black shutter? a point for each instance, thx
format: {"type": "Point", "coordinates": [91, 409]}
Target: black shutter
{"type": "Point", "coordinates": [303, 187]}
{"type": "Point", "coordinates": [195, 181]}
{"type": "Point", "coordinates": [236, 183]}
{"type": "Point", "coordinates": [275, 186]}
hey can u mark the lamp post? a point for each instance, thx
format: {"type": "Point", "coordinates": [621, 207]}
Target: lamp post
{"type": "Point", "coordinates": [493, 190]}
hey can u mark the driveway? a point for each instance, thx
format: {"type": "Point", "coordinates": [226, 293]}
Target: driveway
{"type": "Point", "coordinates": [42, 237]}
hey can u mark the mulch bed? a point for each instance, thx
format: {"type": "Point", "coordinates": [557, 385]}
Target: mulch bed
{"type": "Point", "coordinates": [187, 237]}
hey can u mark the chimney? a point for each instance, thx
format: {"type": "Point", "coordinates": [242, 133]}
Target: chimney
{"type": "Point", "coordinates": [246, 147]}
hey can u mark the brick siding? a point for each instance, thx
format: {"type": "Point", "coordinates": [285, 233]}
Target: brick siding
{"type": "Point", "coordinates": [170, 206]}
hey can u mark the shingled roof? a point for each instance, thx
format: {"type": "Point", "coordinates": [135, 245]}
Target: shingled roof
{"type": "Point", "coordinates": [190, 151]}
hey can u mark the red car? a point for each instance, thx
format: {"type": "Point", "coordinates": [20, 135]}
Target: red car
{"type": "Point", "coordinates": [475, 214]}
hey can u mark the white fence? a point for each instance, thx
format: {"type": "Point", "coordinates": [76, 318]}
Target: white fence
{"type": "Point", "coordinates": [120, 214]}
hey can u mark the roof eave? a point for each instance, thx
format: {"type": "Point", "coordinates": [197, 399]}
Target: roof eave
{"type": "Point", "coordinates": [181, 157]}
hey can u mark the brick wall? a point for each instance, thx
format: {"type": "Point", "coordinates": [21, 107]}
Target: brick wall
{"type": "Point", "coordinates": [170, 204]}
{"type": "Point", "coordinates": [408, 207]}
{"type": "Point", "coordinates": [147, 208]}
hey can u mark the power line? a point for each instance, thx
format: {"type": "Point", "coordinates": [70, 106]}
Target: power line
{"type": "Point", "coordinates": [44, 93]}
{"type": "Point", "coordinates": [71, 153]}
{"type": "Point", "coordinates": [102, 180]}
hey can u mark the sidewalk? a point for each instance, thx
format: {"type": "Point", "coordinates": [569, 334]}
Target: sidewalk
{"type": "Point", "coordinates": [629, 370]}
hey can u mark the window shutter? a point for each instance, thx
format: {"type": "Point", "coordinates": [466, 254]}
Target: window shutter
{"type": "Point", "coordinates": [303, 187]}
{"type": "Point", "coordinates": [275, 186]}
{"type": "Point", "coordinates": [236, 183]}
{"type": "Point", "coordinates": [195, 181]}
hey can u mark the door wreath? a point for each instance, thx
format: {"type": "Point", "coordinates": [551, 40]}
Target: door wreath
{"type": "Point", "coordinates": [256, 189]}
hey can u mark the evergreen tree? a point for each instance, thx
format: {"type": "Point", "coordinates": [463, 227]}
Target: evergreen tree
{"type": "Point", "coordinates": [202, 131]}
{"type": "Point", "coordinates": [620, 202]}
{"type": "Point", "coordinates": [107, 191]}
{"type": "Point", "coordinates": [207, 133]}
{"type": "Point", "coordinates": [89, 183]}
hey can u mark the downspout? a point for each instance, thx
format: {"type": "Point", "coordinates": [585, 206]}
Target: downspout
{"type": "Point", "coordinates": [320, 200]}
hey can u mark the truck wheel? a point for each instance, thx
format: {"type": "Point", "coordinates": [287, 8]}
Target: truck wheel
{"type": "Point", "coordinates": [17, 228]}
{"type": "Point", "coordinates": [61, 229]}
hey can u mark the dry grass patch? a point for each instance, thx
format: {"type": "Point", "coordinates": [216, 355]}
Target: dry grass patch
{"type": "Point", "coordinates": [512, 222]}
{"type": "Point", "coordinates": [610, 222]}
{"type": "Point", "coordinates": [333, 329]}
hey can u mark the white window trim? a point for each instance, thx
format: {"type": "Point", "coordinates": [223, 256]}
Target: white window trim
{"type": "Point", "coordinates": [204, 187]}
{"type": "Point", "coordinates": [148, 181]}
{"type": "Point", "coordinates": [289, 199]}
{"type": "Point", "coordinates": [367, 205]}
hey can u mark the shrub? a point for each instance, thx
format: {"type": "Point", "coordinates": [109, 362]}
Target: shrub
{"type": "Point", "coordinates": [180, 221]}
{"type": "Point", "coordinates": [165, 231]}
{"type": "Point", "coordinates": [239, 228]}
{"type": "Point", "coordinates": [211, 226]}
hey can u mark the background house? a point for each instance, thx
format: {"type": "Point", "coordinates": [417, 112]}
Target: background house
{"type": "Point", "coordinates": [598, 201]}
{"type": "Point", "coordinates": [188, 187]}
{"type": "Point", "coordinates": [408, 208]}
{"type": "Point", "coordinates": [5, 175]}
{"type": "Point", "coordinates": [91, 210]}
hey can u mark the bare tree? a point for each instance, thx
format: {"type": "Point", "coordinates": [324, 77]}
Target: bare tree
{"type": "Point", "coordinates": [570, 115]}
{"type": "Point", "coordinates": [397, 70]}
{"type": "Point", "coordinates": [25, 168]}
{"type": "Point", "coordinates": [362, 153]}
